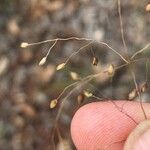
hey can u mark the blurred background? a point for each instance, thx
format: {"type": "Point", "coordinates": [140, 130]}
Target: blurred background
{"type": "Point", "coordinates": [26, 121]}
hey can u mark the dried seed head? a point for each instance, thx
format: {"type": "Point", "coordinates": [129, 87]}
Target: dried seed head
{"type": "Point", "coordinates": [148, 8]}
{"type": "Point", "coordinates": [88, 94]}
{"type": "Point", "coordinates": [60, 66]}
{"type": "Point", "coordinates": [24, 45]}
{"type": "Point", "coordinates": [42, 61]}
{"type": "Point", "coordinates": [111, 70]}
{"type": "Point", "coordinates": [144, 87]}
{"type": "Point", "coordinates": [53, 103]}
{"type": "Point", "coordinates": [132, 94]}
{"type": "Point", "coordinates": [74, 75]}
{"type": "Point", "coordinates": [80, 98]}
{"type": "Point", "coordinates": [95, 61]}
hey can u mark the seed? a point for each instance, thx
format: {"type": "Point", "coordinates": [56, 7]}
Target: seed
{"type": "Point", "coordinates": [24, 44]}
{"type": "Point", "coordinates": [132, 94]}
{"type": "Point", "coordinates": [42, 61]}
{"type": "Point", "coordinates": [144, 87]}
{"type": "Point", "coordinates": [111, 70]}
{"type": "Point", "coordinates": [88, 94]}
{"type": "Point", "coordinates": [95, 61]}
{"type": "Point", "coordinates": [53, 103]}
{"type": "Point", "coordinates": [74, 75]}
{"type": "Point", "coordinates": [60, 66]}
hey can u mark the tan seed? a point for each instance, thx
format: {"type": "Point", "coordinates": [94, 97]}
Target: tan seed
{"type": "Point", "coordinates": [53, 103]}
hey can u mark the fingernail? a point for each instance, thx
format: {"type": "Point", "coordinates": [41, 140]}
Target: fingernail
{"type": "Point", "coordinates": [143, 143]}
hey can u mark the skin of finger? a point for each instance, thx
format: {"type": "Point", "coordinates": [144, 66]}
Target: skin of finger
{"type": "Point", "coordinates": [101, 125]}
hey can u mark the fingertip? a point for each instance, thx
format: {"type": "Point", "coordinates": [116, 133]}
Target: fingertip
{"type": "Point", "coordinates": [99, 124]}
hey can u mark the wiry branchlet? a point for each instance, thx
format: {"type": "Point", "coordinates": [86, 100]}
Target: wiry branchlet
{"type": "Point", "coordinates": [132, 94]}
{"type": "Point", "coordinates": [53, 103]}
{"type": "Point", "coordinates": [74, 76]}
{"type": "Point", "coordinates": [24, 45]}
{"type": "Point", "coordinates": [42, 61]}
{"type": "Point", "coordinates": [144, 87]}
{"type": "Point", "coordinates": [148, 8]}
{"type": "Point", "coordinates": [111, 70]}
{"type": "Point", "coordinates": [95, 61]}
{"type": "Point", "coordinates": [60, 66]}
{"type": "Point", "coordinates": [87, 93]}
{"type": "Point", "coordinates": [80, 98]}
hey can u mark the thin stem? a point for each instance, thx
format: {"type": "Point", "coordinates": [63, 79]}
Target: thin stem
{"type": "Point", "coordinates": [126, 64]}
{"type": "Point", "coordinates": [93, 54]}
{"type": "Point", "coordinates": [147, 69]}
{"type": "Point", "coordinates": [76, 52]}
{"type": "Point", "coordinates": [114, 51]}
{"type": "Point", "coordinates": [78, 39]}
{"type": "Point", "coordinates": [64, 99]}
{"type": "Point", "coordinates": [60, 39]}
{"type": "Point", "coordinates": [118, 108]}
{"type": "Point", "coordinates": [121, 26]}
{"type": "Point", "coordinates": [121, 110]}
{"type": "Point", "coordinates": [59, 135]}
{"type": "Point", "coordinates": [104, 97]}
{"type": "Point", "coordinates": [66, 88]}
{"type": "Point", "coordinates": [51, 48]}
{"type": "Point", "coordinates": [91, 77]}
{"type": "Point", "coordinates": [139, 93]}
{"type": "Point", "coordinates": [86, 80]}
{"type": "Point", "coordinates": [140, 51]}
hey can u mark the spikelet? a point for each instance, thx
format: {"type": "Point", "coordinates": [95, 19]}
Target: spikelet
{"type": "Point", "coordinates": [74, 76]}
{"type": "Point", "coordinates": [95, 61]}
{"type": "Point", "coordinates": [88, 94]}
{"type": "Point", "coordinates": [144, 87]}
{"type": "Point", "coordinates": [60, 66]}
{"type": "Point", "coordinates": [24, 45]}
{"type": "Point", "coordinates": [53, 103]}
{"type": "Point", "coordinates": [132, 94]}
{"type": "Point", "coordinates": [42, 61]}
{"type": "Point", "coordinates": [111, 70]}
